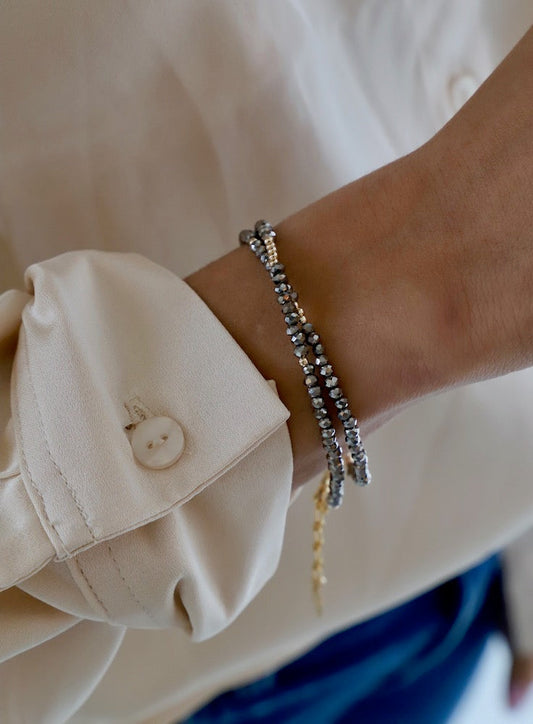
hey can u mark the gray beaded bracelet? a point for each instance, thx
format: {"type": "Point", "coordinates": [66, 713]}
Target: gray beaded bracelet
{"type": "Point", "coordinates": [308, 345]}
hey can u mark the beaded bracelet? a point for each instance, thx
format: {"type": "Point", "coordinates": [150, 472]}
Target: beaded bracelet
{"type": "Point", "coordinates": [308, 346]}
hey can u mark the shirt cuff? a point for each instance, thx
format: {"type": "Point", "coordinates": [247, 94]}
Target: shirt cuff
{"type": "Point", "coordinates": [104, 328]}
{"type": "Point", "coordinates": [125, 542]}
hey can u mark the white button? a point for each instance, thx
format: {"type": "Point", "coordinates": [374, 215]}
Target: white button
{"type": "Point", "coordinates": [157, 442]}
{"type": "Point", "coordinates": [461, 88]}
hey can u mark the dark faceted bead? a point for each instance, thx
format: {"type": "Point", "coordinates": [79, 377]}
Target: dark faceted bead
{"type": "Point", "coordinates": [279, 277]}
{"type": "Point", "coordinates": [300, 350]}
{"type": "Point", "coordinates": [308, 369]}
{"type": "Point", "coordinates": [326, 370]}
{"type": "Point", "coordinates": [293, 329]}
{"type": "Point", "coordinates": [255, 244]}
{"type": "Point", "coordinates": [336, 485]}
{"type": "Point", "coordinates": [335, 393]}
{"type": "Point", "coordinates": [284, 298]}
{"type": "Point", "coordinates": [320, 413]}
{"type": "Point", "coordinates": [322, 360]}
{"type": "Point", "coordinates": [318, 349]}
{"type": "Point", "coordinates": [292, 318]}
{"type": "Point", "coordinates": [335, 496]}
{"type": "Point", "coordinates": [317, 402]}
{"type": "Point", "coordinates": [298, 338]}
{"type": "Point", "coordinates": [288, 307]}
{"type": "Point", "coordinates": [313, 338]}
{"type": "Point", "coordinates": [344, 414]}
{"type": "Point", "coordinates": [263, 258]}
{"type": "Point", "coordinates": [260, 250]}
{"type": "Point", "coordinates": [354, 444]}
{"type": "Point", "coordinates": [245, 236]}
{"type": "Point", "coordinates": [308, 327]}
{"type": "Point", "coordinates": [367, 477]}
{"type": "Point", "coordinates": [341, 404]}
{"type": "Point", "coordinates": [311, 380]}
{"type": "Point", "coordinates": [314, 391]}
{"type": "Point", "coordinates": [293, 295]}
{"type": "Point", "coordinates": [356, 471]}
{"type": "Point", "coordinates": [329, 433]}
{"type": "Point", "coordinates": [282, 288]}
{"type": "Point", "coordinates": [351, 422]}
{"type": "Point", "coordinates": [265, 234]}
{"type": "Point", "coordinates": [278, 268]}
{"type": "Point", "coordinates": [265, 230]}
{"type": "Point", "coordinates": [325, 423]}
{"type": "Point", "coordinates": [353, 451]}
{"type": "Point", "coordinates": [262, 224]}
{"type": "Point", "coordinates": [336, 482]}
{"type": "Point", "coordinates": [332, 381]}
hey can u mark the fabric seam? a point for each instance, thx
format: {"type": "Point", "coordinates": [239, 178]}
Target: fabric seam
{"type": "Point", "coordinates": [32, 481]}
{"type": "Point", "coordinates": [127, 585]}
{"type": "Point", "coordinates": [40, 422]}
{"type": "Point", "coordinates": [84, 576]}
{"type": "Point", "coordinates": [178, 503]}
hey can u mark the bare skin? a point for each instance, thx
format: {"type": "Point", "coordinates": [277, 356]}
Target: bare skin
{"type": "Point", "coordinates": [418, 277]}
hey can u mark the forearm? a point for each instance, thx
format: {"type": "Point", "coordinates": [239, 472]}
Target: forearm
{"type": "Point", "coordinates": [417, 276]}
{"type": "Point", "coordinates": [359, 286]}
{"type": "Point", "coordinates": [482, 163]}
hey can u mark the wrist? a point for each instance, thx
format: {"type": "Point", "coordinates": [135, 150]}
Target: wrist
{"type": "Point", "coordinates": [370, 280]}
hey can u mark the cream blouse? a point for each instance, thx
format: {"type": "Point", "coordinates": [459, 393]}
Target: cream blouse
{"type": "Point", "coordinates": [136, 140]}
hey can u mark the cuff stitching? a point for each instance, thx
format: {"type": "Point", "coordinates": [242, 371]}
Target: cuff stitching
{"type": "Point", "coordinates": [131, 592]}
{"type": "Point", "coordinates": [40, 422]}
{"type": "Point", "coordinates": [82, 573]}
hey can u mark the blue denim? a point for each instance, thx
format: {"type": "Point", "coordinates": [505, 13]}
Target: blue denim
{"type": "Point", "coordinates": [409, 665]}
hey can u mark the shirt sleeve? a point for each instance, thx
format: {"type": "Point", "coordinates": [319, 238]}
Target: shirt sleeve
{"type": "Point", "coordinates": [93, 529]}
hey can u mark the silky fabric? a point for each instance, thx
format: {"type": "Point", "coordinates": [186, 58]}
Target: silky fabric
{"type": "Point", "coordinates": [136, 141]}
